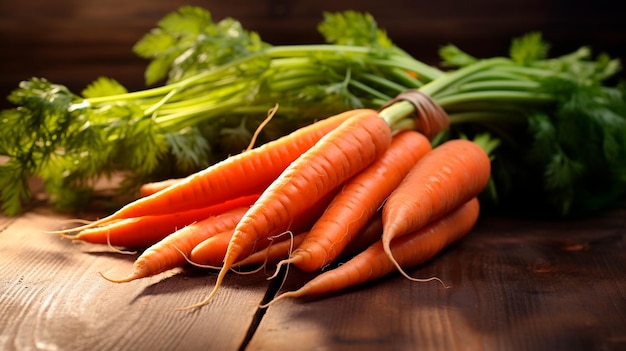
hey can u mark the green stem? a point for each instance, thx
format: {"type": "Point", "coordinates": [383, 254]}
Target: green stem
{"type": "Point", "coordinates": [523, 85]}
{"type": "Point", "coordinates": [194, 115]}
{"type": "Point", "coordinates": [386, 83]}
{"type": "Point", "coordinates": [436, 86]}
{"type": "Point", "coordinates": [494, 96]}
{"type": "Point", "coordinates": [371, 91]}
{"type": "Point", "coordinates": [486, 117]}
{"type": "Point", "coordinates": [395, 113]}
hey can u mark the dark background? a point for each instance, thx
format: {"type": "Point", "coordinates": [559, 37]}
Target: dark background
{"type": "Point", "coordinates": [72, 42]}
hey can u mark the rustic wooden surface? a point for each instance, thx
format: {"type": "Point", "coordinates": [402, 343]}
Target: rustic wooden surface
{"type": "Point", "coordinates": [515, 284]}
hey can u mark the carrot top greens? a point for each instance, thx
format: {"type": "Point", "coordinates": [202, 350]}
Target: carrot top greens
{"type": "Point", "coordinates": [560, 130]}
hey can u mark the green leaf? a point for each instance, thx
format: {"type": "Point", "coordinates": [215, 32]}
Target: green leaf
{"type": "Point", "coordinates": [186, 21]}
{"type": "Point", "coordinates": [452, 56]}
{"type": "Point", "coordinates": [528, 48]}
{"type": "Point", "coordinates": [561, 172]}
{"type": "Point", "coordinates": [104, 86]}
{"type": "Point", "coordinates": [353, 28]}
{"type": "Point", "coordinates": [187, 42]}
{"type": "Point", "coordinates": [154, 43]}
{"type": "Point", "coordinates": [14, 188]}
{"type": "Point", "coordinates": [190, 148]}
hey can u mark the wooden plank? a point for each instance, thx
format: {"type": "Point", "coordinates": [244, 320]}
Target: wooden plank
{"type": "Point", "coordinates": [514, 285]}
{"type": "Point", "coordinates": [52, 297]}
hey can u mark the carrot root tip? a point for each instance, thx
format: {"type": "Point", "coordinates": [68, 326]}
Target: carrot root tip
{"type": "Point", "coordinates": [191, 262]}
{"type": "Point", "coordinates": [387, 248]}
{"type": "Point", "coordinates": [256, 270]}
{"type": "Point", "coordinates": [279, 265]}
{"type": "Point", "coordinates": [201, 303]}
{"type": "Point", "coordinates": [128, 278]}
{"type": "Point", "coordinates": [282, 296]}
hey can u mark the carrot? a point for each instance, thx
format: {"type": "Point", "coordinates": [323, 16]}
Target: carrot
{"type": "Point", "coordinates": [211, 251]}
{"type": "Point", "coordinates": [410, 250]}
{"type": "Point", "coordinates": [281, 249]}
{"type": "Point", "coordinates": [144, 231]}
{"type": "Point", "coordinates": [339, 155]}
{"type": "Point", "coordinates": [247, 173]}
{"type": "Point", "coordinates": [274, 252]}
{"type": "Point", "coordinates": [171, 252]}
{"type": "Point", "coordinates": [448, 176]}
{"type": "Point", "coordinates": [366, 237]}
{"type": "Point", "coordinates": [154, 187]}
{"type": "Point", "coordinates": [357, 202]}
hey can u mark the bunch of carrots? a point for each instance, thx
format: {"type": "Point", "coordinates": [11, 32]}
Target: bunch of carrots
{"type": "Point", "coordinates": [362, 184]}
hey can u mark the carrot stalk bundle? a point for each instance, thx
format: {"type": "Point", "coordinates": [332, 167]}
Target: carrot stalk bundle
{"type": "Point", "coordinates": [343, 182]}
{"type": "Point", "coordinates": [409, 250]}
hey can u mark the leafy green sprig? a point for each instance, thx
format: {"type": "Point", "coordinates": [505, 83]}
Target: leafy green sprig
{"type": "Point", "coordinates": [534, 114]}
{"type": "Point", "coordinates": [564, 132]}
{"type": "Point", "coordinates": [216, 75]}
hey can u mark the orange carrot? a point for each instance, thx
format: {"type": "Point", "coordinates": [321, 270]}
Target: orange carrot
{"type": "Point", "coordinates": [140, 232]}
{"type": "Point", "coordinates": [211, 251]}
{"type": "Point", "coordinates": [366, 237]}
{"type": "Point", "coordinates": [339, 155]}
{"type": "Point", "coordinates": [247, 173]}
{"type": "Point", "coordinates": [448, 176]}
{"type": "Point", "coordinates": [410, 250]}
{"type": "Point", "coordinates": [171, 252]}
{"type": "Point", "coordinates": [154, 187]}
{"type": "Point", "coordinates": [357, 202]}
{"type": "Point", "coordinates": [274, 252]}
{"type": "Point", "coordinates": [281, 249]}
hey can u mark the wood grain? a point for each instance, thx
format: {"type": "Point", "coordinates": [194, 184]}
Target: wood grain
{"type": "Point", "coordinates": [514, 284]}
{"type": "Point", "coordinates": [53, 298]}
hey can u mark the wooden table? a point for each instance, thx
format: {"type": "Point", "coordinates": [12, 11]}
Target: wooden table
{"type": "Point", "coordinates": [515, 285]}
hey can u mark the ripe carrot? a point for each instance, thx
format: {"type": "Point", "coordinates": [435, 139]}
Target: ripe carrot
{"type": "Point", "coordinates": [247, 173]}
{"type": "Point", "coordinates": [154, 187]}
{"type": "Point", "coordinates": [140, 232]}
{"type": "Point", "coordinates": [339, 155]}
{"type": "Point", "coordinates": [357, 202]}
{"type": "Point", "coordinates": [171, 252]}
{"type": "Point", "coordinates": [410, 250]}
{"type": "Point", "coordinates": [366, 237]}
{"type": "Point", "coordinates": [281, 250]}
{"type": "Point", "coordinates": [211, 251]}
{"type": "Point", "coordinates": [274, 252]}
{"type": "Point", "coordinates": [448, 176]}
